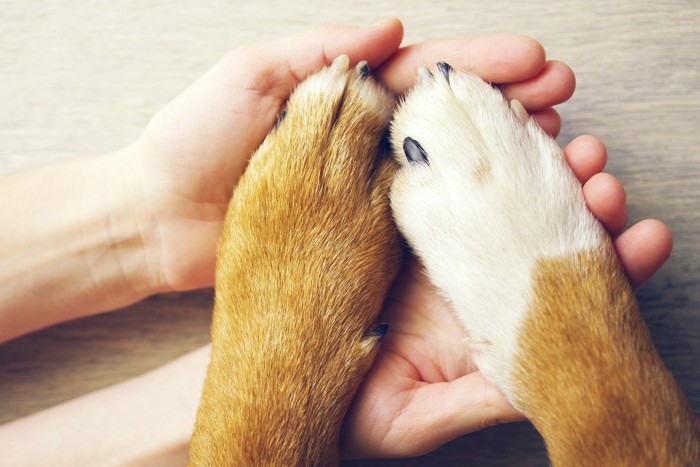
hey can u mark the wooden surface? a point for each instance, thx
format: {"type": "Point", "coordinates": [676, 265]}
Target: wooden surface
{"type": "Point", "coordinates": [84, 77]}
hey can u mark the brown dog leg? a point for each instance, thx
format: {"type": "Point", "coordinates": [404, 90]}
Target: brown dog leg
{"type": "Point", "coordinates": [308, 253]}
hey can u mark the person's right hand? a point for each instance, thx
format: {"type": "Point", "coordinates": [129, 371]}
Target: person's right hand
{"type": "Point", "coordinates": [424, 390]}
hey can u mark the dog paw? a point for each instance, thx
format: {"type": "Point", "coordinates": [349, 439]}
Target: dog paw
{"type": "Point", "coordinates": [308, 251]}
{"type": "Point", "coordinates": [312, 208]}
{"type": "Point", "coordinates": [483, 196]}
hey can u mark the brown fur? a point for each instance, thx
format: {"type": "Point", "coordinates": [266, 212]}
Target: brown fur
{"type": "Point", "coordinates": [308, 252]}
{"type": "Point", "coordinates": [589, 377]}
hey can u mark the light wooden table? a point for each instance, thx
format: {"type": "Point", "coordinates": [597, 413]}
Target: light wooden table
{"type": "Point", "coordinates": [84, 77]}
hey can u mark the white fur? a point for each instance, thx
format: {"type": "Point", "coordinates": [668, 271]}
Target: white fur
{"type": "Point", "coordinates": [496, 196]}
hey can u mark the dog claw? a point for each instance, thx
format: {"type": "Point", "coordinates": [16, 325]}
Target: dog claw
{"type": "Point", "coordinates": [424, 74]}
{"type": "Point", "coordinates": [519, 111]}
{"type": "Point", "coordinates": [362, 69]}
{"type": "Point", "coordinates": [380, 331]}
{"type": "Point", "coordinates": [445, 69]}
{"type": "Point", "coordinates": [280, 118]}
{"type": "Point", "coordinates": [341, 63]}
{"type": "Point", "coordinates": [414, 151]}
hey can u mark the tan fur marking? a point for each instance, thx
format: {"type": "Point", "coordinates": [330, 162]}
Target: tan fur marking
{"type": "Point", "coordinates": [482, 170]}
{"type": "Point", "coordinates": [308, 252]}
{"type": "Point", "coordinates": [589, 377]}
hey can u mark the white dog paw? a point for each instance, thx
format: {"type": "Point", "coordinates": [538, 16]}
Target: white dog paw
{"type": "Point", "coordinates": [482, 195]}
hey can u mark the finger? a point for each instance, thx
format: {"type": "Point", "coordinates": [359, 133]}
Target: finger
{"type": "Point", "coordinates": [497, 59]}
{"type": "Point", "coordinates": [606, 199]}
{"type": "Point", "coordinates": [310, 51]}
{"type": "Point", "coordinates": [441, 412]}
{"type": "Point", "coordinates": [643, 249]}
{"type": "Point", "coordinates": [554, 84]}
{"type": "Point", "coordinates": [275, 68]}
{"type": "Point", "coordinates": [587, 156]}
{"type": "Point", "coordinates": [481, 404]}
{"type": "Point", "coordinates": [549, 120]}
{"type": "Point", "coordinates": [248, 87]}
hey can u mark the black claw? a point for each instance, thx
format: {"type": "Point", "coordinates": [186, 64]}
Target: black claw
{"type": "Point", "coordinates": [364, 71]}
{"type": "Point", "coordinates": [445, 69]}
{"type": "Point", "coordinates": [414, 152]}
{"type": "Point", "coordinates": [380, 331]}
{"type": "Point", "coordinates": [280, 118]}
{"type": "Point", "coordinates": [424, 74]}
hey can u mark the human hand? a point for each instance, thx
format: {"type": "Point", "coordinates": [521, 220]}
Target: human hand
{"type": "Point", "coordinates": [193, 151]}
{"type": "Point", "coordinates": [423, 387]}
{"type": "Point", "coordinates": [424, 390]}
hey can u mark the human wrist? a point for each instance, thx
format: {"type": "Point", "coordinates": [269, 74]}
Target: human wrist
{"type": "Point", "coordinates": [182, 221]}
{"type": "Point", "coordinates": [131, 225]}
{"type": "Point", "coordinates": [72, 243]}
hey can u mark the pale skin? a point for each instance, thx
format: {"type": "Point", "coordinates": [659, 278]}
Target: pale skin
{"type": "Point", "coordinates": [108, 231]}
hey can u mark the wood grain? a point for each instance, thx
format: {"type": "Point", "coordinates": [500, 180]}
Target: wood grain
{"type": "Point", "coordinates": [84, 78]}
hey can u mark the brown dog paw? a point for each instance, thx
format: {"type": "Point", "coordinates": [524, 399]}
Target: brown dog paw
{"type": "Point", "coordinates": [308, 252]}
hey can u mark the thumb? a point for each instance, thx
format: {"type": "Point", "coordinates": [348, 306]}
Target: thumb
{"type": "Point", "coordinates": [441, 412]}
{"type": "Point", "coordinates": [478, 404]}
{"type": "Point", "coordinates": [286, 62]}
{"type": "Point", "coordinates": [305, 53]}
{"type": "Point", "coordinates": [250, 84]}
{"type": "Point", "coordinates": [236, 102]}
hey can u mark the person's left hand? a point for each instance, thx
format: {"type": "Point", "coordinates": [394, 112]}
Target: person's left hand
{"type": "Point", "coordinates": [194, 150]}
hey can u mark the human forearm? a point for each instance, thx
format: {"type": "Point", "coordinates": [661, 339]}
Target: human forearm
{"type": "Point", "coordinates": [146, 421]}
{"type": "Point", "coordinates": [75, 240]}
